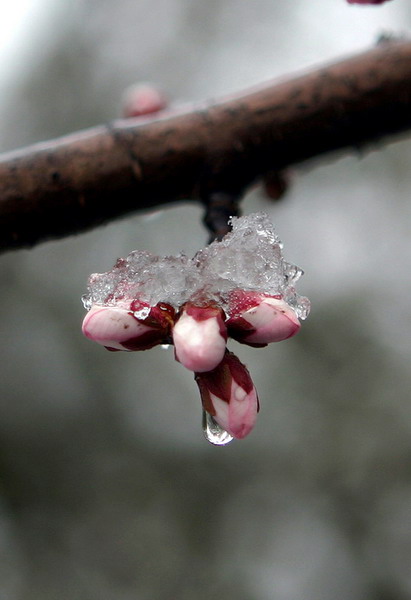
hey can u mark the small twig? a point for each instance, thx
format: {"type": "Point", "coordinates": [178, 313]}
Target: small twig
{"type": "Point", "coordinates": [219, 207]}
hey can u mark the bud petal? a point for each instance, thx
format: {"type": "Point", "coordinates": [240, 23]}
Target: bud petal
{"type": "Point", "coordinates": [118, 329]}
{"type": "Point", "coordinates": [229, 395]}
{"type": "Point", "coordinates": [259, 320]}
{"type": "Point", "coordinates": [200, 337]}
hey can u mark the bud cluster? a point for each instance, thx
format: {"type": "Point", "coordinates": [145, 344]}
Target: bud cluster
{"type": "Point", "coordinates": [197, 320]}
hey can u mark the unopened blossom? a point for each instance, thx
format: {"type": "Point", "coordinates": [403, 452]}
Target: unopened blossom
{"type": "Point", "coordinates": [197, 303]}
{"type": "Point", "coordinates": [228, 394]}
{"type": "Point", "coordinates": [143, 99]}
{"type": "Point", "coordinates": [366, 1]}
{"type": "Point", "coordinates": [200, 337]}
{"type": "Point", "coordinates": [258, 319]}
{"type": "Point", "coordinates": [119, 328]}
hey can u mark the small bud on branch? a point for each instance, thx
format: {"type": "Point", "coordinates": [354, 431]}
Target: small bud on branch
{"type": "Point", "coordinates": [366, 1]}
{"type": "Point", "coordinates": [142, 99]}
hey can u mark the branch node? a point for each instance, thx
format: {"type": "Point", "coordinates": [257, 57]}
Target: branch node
{"type": "Point", "coordinates": [219, 207]}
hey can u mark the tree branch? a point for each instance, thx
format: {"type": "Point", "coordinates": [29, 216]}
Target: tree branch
{"type": "Point", "coordinates": [66, 186]}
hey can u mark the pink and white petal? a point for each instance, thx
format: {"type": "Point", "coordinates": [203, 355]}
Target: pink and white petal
{"type": "Point", "coordinates": [272, 320]}
{"type": "Point", "coordinates": [238, 417]}
{"type": "Point", "coordinates": [200, 340]}
{"type": "Point", "coordinates": [119, 329]}
{"type": "Point", "coordinates": [229, 395]}
{"type": "Point", "coordinates": [111, 326]}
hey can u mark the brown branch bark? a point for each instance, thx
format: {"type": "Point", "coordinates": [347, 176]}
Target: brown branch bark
{"type": "Point", "coordinates": [68, 185]}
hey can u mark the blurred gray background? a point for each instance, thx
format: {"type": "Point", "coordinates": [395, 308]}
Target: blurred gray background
{"type": "Point", "coordinates": [108, 488]}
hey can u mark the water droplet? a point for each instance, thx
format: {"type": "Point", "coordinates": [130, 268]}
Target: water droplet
{"type": "Point", "coordinates": [213, 433]}
{"type": "Point", "coordinates": [303, 308]}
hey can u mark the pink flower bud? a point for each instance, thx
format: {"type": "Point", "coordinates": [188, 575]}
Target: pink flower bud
{"type": "Point", "coordinates": [258, 320]}
{"type": "Point", "coordinates": [119, 329]}
{"type": "Point", "coordinates": [200, 337]}
{"type": "Point", "coordinates": [142, 99]}
{"type": "Point", "coordinates": [229, 395]}
{"type": "Point", "coordinates": [365, 1]}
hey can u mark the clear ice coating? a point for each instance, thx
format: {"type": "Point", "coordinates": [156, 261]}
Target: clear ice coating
{"type": "Point", "coordinates": [248, 258]}
{"type": "Point", "coordinates": [213, 433]}
{"type": "Point", "coordinates": [142, 276]}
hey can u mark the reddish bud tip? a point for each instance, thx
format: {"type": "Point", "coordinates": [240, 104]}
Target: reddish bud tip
{"type": "Point", "coordinates": [229, 395]}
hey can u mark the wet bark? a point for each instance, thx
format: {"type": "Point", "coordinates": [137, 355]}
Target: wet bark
{"type": "Point", "coordinates": [65, 186]}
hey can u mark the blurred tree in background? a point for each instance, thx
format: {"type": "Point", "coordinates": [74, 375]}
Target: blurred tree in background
{"type": "Point", "coordinates": [108, 489]}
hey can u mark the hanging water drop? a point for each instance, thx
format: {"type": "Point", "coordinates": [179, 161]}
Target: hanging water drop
{"type": "Point", "coordinates": [213, 433]}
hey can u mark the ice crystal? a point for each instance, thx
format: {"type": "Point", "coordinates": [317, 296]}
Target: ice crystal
{"type": "Point", "coordinates": [248, 258]}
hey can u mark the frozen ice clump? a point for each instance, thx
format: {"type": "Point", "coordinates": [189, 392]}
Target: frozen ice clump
{"type": "Point", "coordinates": [248, 258]}
{"type": "Point", "coordinates": [145, 277]}
{"type": "Point", "coordinates": [171, 279]}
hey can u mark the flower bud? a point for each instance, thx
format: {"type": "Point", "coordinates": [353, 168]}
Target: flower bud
{"type": "Point", "coordinates": [200, 337]}
{"type": "Point", "coordinates": [142, 99]}
{"type": "Point", "coordinates": [229, 396]}
{"type": "Point", "coordinates": [119, 328]}
{"type": "Point", "coordinates": [365, 1]}
{"type": "Point", "coordinates": [276, 184]}
{"type": "Point", "coordinates": [258, 319]}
